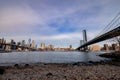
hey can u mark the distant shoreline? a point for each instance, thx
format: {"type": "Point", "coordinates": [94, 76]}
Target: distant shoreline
{"type": "Point", "coordinates": [5, 51]}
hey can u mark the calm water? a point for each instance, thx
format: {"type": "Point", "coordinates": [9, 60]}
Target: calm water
{"type": "Point", "coordinates": [48, 57]}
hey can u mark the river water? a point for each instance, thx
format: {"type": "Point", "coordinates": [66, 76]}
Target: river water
{"type": "Point", "coordinates": [48, 57]}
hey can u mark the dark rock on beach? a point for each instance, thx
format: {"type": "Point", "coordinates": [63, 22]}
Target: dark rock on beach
{"type": "Point", "coordinates": [114, 55]}
{"type": "Point", "coordinates": [2, 71]}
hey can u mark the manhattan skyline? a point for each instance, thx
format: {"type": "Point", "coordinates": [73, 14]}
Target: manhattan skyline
{"type": "Point", "coordinates": [57, 22]}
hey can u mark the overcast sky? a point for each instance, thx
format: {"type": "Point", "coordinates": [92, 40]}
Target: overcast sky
{"type": "Point", "coordinates": [58, 22]}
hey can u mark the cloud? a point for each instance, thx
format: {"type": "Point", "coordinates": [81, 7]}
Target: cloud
{"type": "Point", "coordinates": [17, 18]}
{"type": "Point", "coordinates": [40, 13]}
{"type": "Point", "coordinates": [25, 19]}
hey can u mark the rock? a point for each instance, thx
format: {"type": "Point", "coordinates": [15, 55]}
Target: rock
{"type": "Point", "coordinates": [2, 71]}
{"type": "Point", "coordinates": [111, 78]}
{"type": "Point", "coordinates": [49, 74]}
{"type": "Point", "coordinates": [87, 78]}
{"type": "Point", "coordinates": [26, 65]}
{"type": "Point", "coordinates": [91, 62]}
{"type": "Point", "coordinates": [16, 65]}
{"type": "Point", "coordinates": [75, 64]}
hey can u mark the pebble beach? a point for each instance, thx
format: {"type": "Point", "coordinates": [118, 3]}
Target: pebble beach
{"type": "Point", "coordinates": [77, 71]}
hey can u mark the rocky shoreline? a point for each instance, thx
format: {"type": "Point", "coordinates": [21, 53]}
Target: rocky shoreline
{"type": "Point", "coordinates": [113, 55]}
{"type": "Point", "coordinates": [108, 70]}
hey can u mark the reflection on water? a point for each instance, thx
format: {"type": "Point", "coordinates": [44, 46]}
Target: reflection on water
{"type": "Point", "coordinates": [48, 57]}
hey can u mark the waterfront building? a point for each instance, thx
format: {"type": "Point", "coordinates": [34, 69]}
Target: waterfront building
{"type": "Point", "coordinates": [115, 47]}
{"type": "Point", "coordinates": [23, 43]}
{"type": "Point", "coordinates": [33, 44]}
{"type": "Point", "coordinates": [50, 47]}
{"type": "Point", "coordinates": [106, 47]}
{"type": "Point", "coordinates": [13, 47]}
{"type": "Point", "coordinates": [42, 45]}
{"type": "Point", "coordinates": [36, 46]}
{"type": "Point", "coordinates": [18, 43]}
{"type": "Point", "coordinates": [1, 46]}
{"type": "Point", "coordinates": [19, 49]}
{"type": "Point", "coordinates": [56, 49]}
{"type": "Point", "coordinates": [2, 40]}
{"type": "Point", "coordinates": [95, 48]}
{"type": "Point", "coordinates": [29, 42]}
{"type": "Point", "coordinates": [11, 41]}
{"type": "Point", "coordinates": [8, 48]}
{"type": "Point", "coordinates": [70, 46]}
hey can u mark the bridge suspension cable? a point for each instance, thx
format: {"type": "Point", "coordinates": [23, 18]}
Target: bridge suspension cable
{"type": "Point", "coordinates": [113, 24]}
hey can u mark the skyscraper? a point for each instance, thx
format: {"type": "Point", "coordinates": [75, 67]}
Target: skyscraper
{"type": "Point", "coordinates": [29, 42]}
{"type": "Point", "coordinates": [2, 40]}
{"type": "Point", "coordinates": [23, 43]}
{"type": "Point", "coordinates": [50, 46]}
{"type": "Point", "coordinates": [11, 41]}
{"type": "Point", "coordinates": [42, 45]}
{"type": "Point", "coordinates": [33, 44]}
{"type": "Point", "coordinates": [36, 46]}
{"type": "Point", "coordinates": [70, 46]}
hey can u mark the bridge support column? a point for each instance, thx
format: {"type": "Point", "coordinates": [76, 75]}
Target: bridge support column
{"type": "Point", "coordinates": [84, 49]}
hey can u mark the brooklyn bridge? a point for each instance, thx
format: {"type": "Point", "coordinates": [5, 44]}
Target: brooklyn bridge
{"type": "Point", "coordinates": [110, 31]}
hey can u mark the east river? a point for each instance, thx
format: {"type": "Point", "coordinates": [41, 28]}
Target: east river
{"type": "Point", "coordinates": [48, 57]}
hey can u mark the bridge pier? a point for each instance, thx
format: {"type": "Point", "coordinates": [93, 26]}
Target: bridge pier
{"type": "Point", "coordinates": [84, 49]}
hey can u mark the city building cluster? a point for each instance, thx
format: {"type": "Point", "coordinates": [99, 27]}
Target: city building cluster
{"type": "Point", "coordinates": [52, 48]}
{"type": "Point", "coordinates": [12, 45]}
{"type": "Point", "coordinates": [106, 47]}
{"type": "Point", "coordinates": [30, 45]}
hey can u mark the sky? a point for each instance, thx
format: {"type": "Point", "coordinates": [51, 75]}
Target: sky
{"type": "Point", "coordinates": [57, 22]}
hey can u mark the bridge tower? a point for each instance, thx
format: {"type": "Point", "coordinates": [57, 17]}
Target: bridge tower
{"type": "Point", "coordinates": [85, 39]}
{"type": "Point", "coordinates": [84, 36]}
